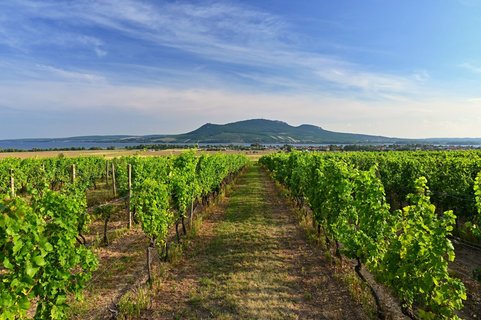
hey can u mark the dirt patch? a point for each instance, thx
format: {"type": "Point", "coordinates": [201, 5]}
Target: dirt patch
{"type": "Point", "coordinates": [173, 290]}
{"type": "Point", "coordinates": [121, 265]}
{"type": "Point", "coordinates": [467, 260]}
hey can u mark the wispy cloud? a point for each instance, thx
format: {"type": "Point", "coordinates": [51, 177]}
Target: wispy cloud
{"type": "Point", "coordinates": [19, 71]}
{"type": "Point", "coordinates": [421, 76]}
{"type": "Point", "coordinates": [96, 44]}
{"type": "Point", "coordinates": [366, 81]}
{"type": "Point", "coordinates": [420, 118]}
{"type": "Point", "coordinates": [471, 67]}
{"type": "Point", "coordinates": [236, 62]}
{"type": "Point", "coordinates": [61, 74]}
{"type": "Point", "coordinates": [223, 32]}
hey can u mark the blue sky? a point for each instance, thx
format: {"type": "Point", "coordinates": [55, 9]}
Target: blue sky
{"type": "Point", "coordinates": [395, 68]}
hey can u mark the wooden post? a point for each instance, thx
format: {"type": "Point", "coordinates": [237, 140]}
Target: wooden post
{"type": "Point", "coordinates": [149, 259]}
{"type": "Point", "coordinates": [107, 172]}
{"type": "Point", "coordinates": [106, 238]}
{"type": "Point", "coordinates": [191, 218]}
{"type": "Point", "coordinates": [149, 266]}
{"type": "Point", "coordinates": [130, 194]}
{"type": "Point", "coordinates": [12, 183]}
{"type": "Point", "coordinates": [73, 173]}
{"type": "Point", "coordinates": [114, 187]}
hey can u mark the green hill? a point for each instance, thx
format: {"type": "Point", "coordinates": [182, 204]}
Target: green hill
{"type": "Point", "coordinates": [269, 131]}
{"type": "Point", "coordinates": [250, 131]}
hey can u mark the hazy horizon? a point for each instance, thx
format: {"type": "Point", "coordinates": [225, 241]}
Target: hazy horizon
{"type": "Point", "coordinates": [193, 129]}
{"type": "Point", "coordinates": [399, 69]}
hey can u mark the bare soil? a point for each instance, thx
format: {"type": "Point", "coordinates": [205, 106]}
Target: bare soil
{"type": "Point", "coordinates": [467, 260]}
{"type": "Point", "coordinates": [122, 265]}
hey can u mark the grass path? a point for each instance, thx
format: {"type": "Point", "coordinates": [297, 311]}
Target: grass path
{"type": "Point", "coordinates": [250, 260]}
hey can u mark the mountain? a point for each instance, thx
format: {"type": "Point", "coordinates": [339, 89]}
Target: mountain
{"type": "Point", "coordinates": [248, 131]}
{"type": "Point", "coordinates": [269, 131]}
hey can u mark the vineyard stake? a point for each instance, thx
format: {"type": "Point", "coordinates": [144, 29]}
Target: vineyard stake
{"type": "Point", "coordinates": [12, 183]}
{"type": "Point", "coordinates": [107, 172]}
{"type": "Point", "coordinates": [114, 187]}
{"type": "Point", "coordinates": [130, 194]}
{"type": "Point", "coordinates": [149, 261]}
{"type": "Point", "coordinates": [191, 211]}
{"type": "Point", "coordinates": [73, 173]}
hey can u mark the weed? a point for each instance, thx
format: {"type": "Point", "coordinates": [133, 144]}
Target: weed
{"type": "Point", "coordinates": [133, 303]}
{"type": "Point", "coordinates": [359, 291]}
{"type": "Point", "coordinates": [76, 308]}
{"type": "Point", "coordinates": [118, 233]}
{"type": "Point", "coordinates": [196, 225]}
{"type": "Point", "coordinates": [175, 253]}
{"type": "Point", "coordinates": [307, 295]}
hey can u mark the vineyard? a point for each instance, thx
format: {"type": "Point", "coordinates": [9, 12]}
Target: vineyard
{"type": "Point", "coordinates": [45, 255]}
{"type": "Point", "coordinates": [395, 214]}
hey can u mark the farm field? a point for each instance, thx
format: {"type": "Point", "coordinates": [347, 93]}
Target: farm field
{"type": "Point", "coordinates": [50, 205]}
{"type": "Point", "coordinates": [240, 159]}
{"type": "Point", "coordinates": [226, 241]}
{"type": "Point", "coordinates": [397, 213]}
{"type": "Point", "coordinates": [109, 154]}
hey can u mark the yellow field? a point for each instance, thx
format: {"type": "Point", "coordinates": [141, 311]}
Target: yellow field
{"type": "Point", "coordinates": [116, 153]}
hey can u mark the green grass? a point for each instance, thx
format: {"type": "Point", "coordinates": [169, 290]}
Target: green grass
{"type": "Point", "coordinates": [131, 304]}
{"type": "Point", "coordinates": [245, 277]}
{"type": "Point", "coordinates": [102, 194]}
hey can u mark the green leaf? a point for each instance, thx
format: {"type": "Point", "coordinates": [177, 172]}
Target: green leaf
{"type": "Point", "coordinates": [30, 270]}
{"type": "Point", "coordinates": [39, 261]}
{"type": "Point", "coordinates": [17, 246]}
{"type": "Point", "coordinates": [7, 264]}
{"type": "Point", "coordinates": [24, 303]}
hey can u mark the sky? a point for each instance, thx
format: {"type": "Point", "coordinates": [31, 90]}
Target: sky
{"type": "Point", "coordinates": [395, 68]}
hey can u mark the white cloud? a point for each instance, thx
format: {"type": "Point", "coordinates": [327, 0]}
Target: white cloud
{"type": "Point", "coordinates": [218, 31]}
{"type": "Point", "coordinates": [471, 67]}
{"type": "Point", "coordinates": [326, 89]}
{"type": "Point", "coordinates": [421, 76]}
{"type": "Point", "coordinates": [94, 43]}
{"type": "Point", "coordinates": [197, 106]}
{"type": "Point", "coordinates": [62, 74]}
{"type": "Point", "coordinates": [366, 81]}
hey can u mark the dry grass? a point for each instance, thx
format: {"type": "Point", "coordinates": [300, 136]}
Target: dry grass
{"type": "Point", "coordinates": [121, 265]}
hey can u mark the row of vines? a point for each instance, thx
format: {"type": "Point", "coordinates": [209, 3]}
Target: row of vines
{"type": "Point", "coordinates": [392, 212]}
{"type": "Point", "coordinates": [43, 212]}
